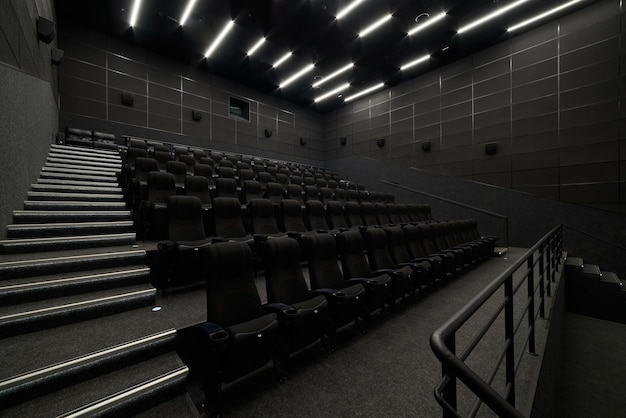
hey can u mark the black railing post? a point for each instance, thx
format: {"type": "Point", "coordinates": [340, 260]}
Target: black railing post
{"type": "Point", "coordinates": [542, 282]}
{"type": "Point", "coordinates": [509, 335]}
{"type": "Point", "coordinates": [449, 391]}
{"type": "Point", "coordinates": [531, 302]}
{"type": "Point", "coordinates": [546, 265]}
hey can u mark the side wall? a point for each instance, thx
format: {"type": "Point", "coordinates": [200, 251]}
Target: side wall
{"type": "Point", "coordinates": [28, 101]}
{"type": "Point", "coordinates": [99, 67]}
{"type": "Point", "coordinates": [550, 99]}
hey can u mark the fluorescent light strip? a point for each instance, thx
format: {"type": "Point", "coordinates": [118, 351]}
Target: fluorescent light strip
{"type": "Point", "coordinates": [429, 22]}
{"type": "Point", "coordinates": [135, 13]}
{"type": "Point", "coordinates": [541, 16]}
{"type": "Point", "coordinates": [415, 62]}
{"type": "Point", "coordinates": [333, 75]}
{"type": "Point", "coordinates": [374, 25]}
{"type": "Point", "coordinates": [188, 10]}
{"type": "Point", "coordinates": [283, 59]}
{"type": "Point", "coordinates": [348, 9]}
{"type": "Point", "coordinates": [219, 38]}
{"type": "Point", "coordinates": [364, 92]}
{"type": "Point", "coordinates": [256, 46]}
{"type": "Point", "coordinates": [297, 75]}
{"type": "Point", "coordinates": [491, 16]}
{"type": "Point", "coordinates": [332, 92]}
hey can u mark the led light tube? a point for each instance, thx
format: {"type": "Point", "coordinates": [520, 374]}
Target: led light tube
{"type": "Point", "coordinates": [188, 10]}
{"type": "Point", "coordinates": [219, 38]}
{"type": "Point", "coordinates": [135, 13]}
{"type": "Point", "coordinates": [333, 75]}
{"type": "Point", "coordinates": [256, 46]}
{"type": "Point", "coordinates": [332, 92]}
{"type": "Point", "coordinates": [491, 16]}
{"type": "Point", "coordinates": [296, 75]}
{"type": "Point", "coordinates": [542, 15]}
{"type": "Point", "coordinates": [374, 25]}
{"type": "Point", "coordinates": [429, 22]}
{"type": "Point", "coordinates": [283, 59]}
{"type": "Point", "coordinates": [348, 9]}
{"type": "Point", "coordinates": [415, 62]}
{"type": "Point", "coordinates": [364, 92]}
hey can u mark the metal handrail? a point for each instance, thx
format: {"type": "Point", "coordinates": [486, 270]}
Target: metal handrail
{"type": "Point", "coordinates": [443, 340]}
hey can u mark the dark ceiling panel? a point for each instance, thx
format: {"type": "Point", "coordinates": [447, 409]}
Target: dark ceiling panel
{"type": "Point", "coordinates": [309, 29]}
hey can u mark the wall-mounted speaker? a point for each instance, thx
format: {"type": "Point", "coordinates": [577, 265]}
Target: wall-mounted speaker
{"type": "Point", "coordinates": [302, 141]}
{"type": "Point", "coordinates": [491, 149]}
{"type": "Point", "coordinates": [127, 99]}
{"type": "Point", "coordinates": [46, 30]}
{"type": "Point", "coordinates": [196, 115]}
{"type": "Point", "coordinates": [380, 142]}
{"type": "Point", "coordinates": [343, 140]}
{"type": "Point", "coordinates": [268, 133]}
{"type": "Point", "coordinates": [426, 146]}
{"type": "Point", "coordinates": [56, 56]}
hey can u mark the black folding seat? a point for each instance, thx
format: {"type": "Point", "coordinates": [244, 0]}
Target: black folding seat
{"type": "Point", "coordinates": [225, 162]}
{"type": "Point", "coordinates": [163, 157]}
{"type": "Point", "coordinates": [264, 178]}
{"type": "Point", "coordinates": [160, 147]}
{"type": "Point", "coordinates": [414, 246]}
{"type": "Point", "coordinates": [368, 214]}
{"type": "Point", "coordinates": [128, 169]}
{"type": "Point", "coordinates": [240, 336]}
{"type": "Point", "coordinates": [182, 259]}
{"type": "Point", "coordinates": [274, 192]}
{"type": "Point", "coordinates": [352, 195]}
{"type": "Point", "coordinates": [335, 217]}
{"type": "Point", "coordinates": [308, 181]}
{"type": "Point", "coordinates": [352, 186]}
{"type": "Point", "coordinates": [243, 166]}
{"type": "Point", "coordinates": [360, 187]}
{"type": "Point", "coordinates": [303, 316]}
{"type": "Point", "coordinates": [233, 158]}
{"type": "Point", "coordinates": [263, 219]}
{"type": "Point", "coordinates": [397, 246]}
{"type": "Point", "coordinates": [138, 185]}
{"type": "Point", "coordinates": [189, 162]}
{"type": "Point", "coordinates": [456, 239]}
{"type": "Point", "coordinates": [205, 170]}
{"type": "Point", "coordinates": [199, 153]}
{"type": "Point", "coordinates": [426, 212]}
{"type": "Point", "coordinates": [285, 171]}
{"type": "Point", "coordinates": [290, 217]}
{"type": "Point", "coordinates": [381, 212]}
{"type": "Point", "coordinates": [340, 196]}
{"type": "Point", "coordinates": [225, 187]}
{"type": "Point", "coordinates": [393, 214]}
{"type": "Point", "coordinates": [294, 191]}
{"type": "Point", "coordinates": [258, 168]}
{"type": "Point", "coordinates": [217, 157]}
{"type": "Point", "coordinates": [332, 184]}
{"type": "Point", "coordinates": [152, 213]}
{"type": "Point", "coordinates": [272, 170]}
{"type": "Point", "coordinates": [137, 143]}
{"type": "Point", "coordinates": [374, 197]}
{"type": "Point", "coordinates": [282, 179]}
{"type": "Point", "coordinates": [379, 259]}
{"type": "Point", "coordinates": [314, 218]}
{"type": "Point", "coordinates": [207, 161]}
{"type": "Point", "coordinates": [453, 260]}
{"type": "Point", "coordinates": [364, 196]}
{"type": "Point", "coordinates": [346, 298]}
{"type": "Point", "coordinates": [321, 182]}
{"type": "Point", "coordinates": [343, 185]}
{"type": "Point", "coordinates": [378, 284]}
{"type": "Point", "coordinates": [293, 179]}
{"type": "Point", "coordinates": [180, 150]}
{"type": "Point", "coordinates": [464, 253]}
{"type": "Point", "coordinates": [326, 195]}
{"type": "Point", "coordinates": [403, 214]}
{"type": "Point", "coordinates": [473, 233]}
{"type": "Point", "coordinates": [251, 190]}
{"type": "Point", "coordinates": [179, 171]}
{"type": "Point", "coordinates": [226, 172]}
{"type": "Point", "coordinates": [352, 213]}
{"type": "Point", "coordinates": [311, 193]}
{"type": "Point", "coordinates": [244, 175]}
{"type": "Point", "coordinates": [198, 186]}
{"type": "Point", "coordinates": [228, 220]}
{"type": "Point", "coordinates": [413, 213]}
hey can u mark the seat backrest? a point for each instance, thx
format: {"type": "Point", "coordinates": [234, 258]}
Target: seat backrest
{"type": "Point", "coordinates": [393, 213]}
{"type": "Point", "coordinates": [198, 186]}
{"type": "Point", "coordinates": [311, 193]}
{"type": "Point", "coordinates": [227, 218]}
{"type": "Point", "coordinates": [143, 166]}
{"type": "Point", "coordinates": [282, 179]}
{"type": "Point", "coordinates": [180, 150]}
{"type": "Point", "coordinates": [189, 162]}
{"type": "Point", "coordinates": [332, 184]}
{"type": "Point", "coordinates": [290, 216]}
{"type": "Point", "coordinates": [396, 243]}
{"type": "Point", "coordinates": [199, 153]}
{"type": "Point", "coordinates": [178, 169]}
{"type": "Point", "coordinates": [352, 213]}
{"type": "Point", "coordinates": [340, 196]}
{"type": "Point", "coordinates": [207, 161]}
{"type": "Point", "coordinates": [137, 143]}
{"type": "Point", "coordinates": [232, 296]}
{"type": "Point", "coordinates": [133, 153]}
{"type": "Point", "coordinates": [294, 179]}
{"type": "Point", "coordinates": [262, 218]}
{"type": "Point", "coordinates": [334, 215]}
{"type": "Point", "coordinates": [185, 219]}
{"type": "Point", "coordinates": [225, 172]}
{"type": "Point", "coordinates": [314, 215]}
{"type": "Point", "coordinates": [274, 192]}
{"type": "Point", "coordinates": [352, 252]}
{"type": "Point", "coordinates": [264, 177]}
{"type": "Point", "coordinates": [226, 163]}
{"type": "Point", "coordinates": [427, 239]}
{"type": "Point", "coordinates": [324, 272]}
{"type": "Point", "coordinates": [403, 213]}
{"type": "Point", "coordinates": [326, 194]}
{"type": "Point", "coordinates": [352, 195]}
{"type": "Point", "coordinates": [226, 187]}
{"type": "Point", "coordinates": [252, 189]}
{"type": "Point", "coordinates": [414, 241]}
{"type": "Point", "coordinates": [161, 185]}
{"type": "Point", "coordinates": [284, 280]}
{"type": "Point", "coordinates": [294, 191]}
{"type": "Point", "coordinates": [204, 170]}
{"type": "Point", "coordinates": [364, 196]}
{"type": "Point", "coordinates": [381, 211]}
{"type": "Point", "coordinates": [376, 246]}
{"type": "Point", "coordinates": [368, 214]}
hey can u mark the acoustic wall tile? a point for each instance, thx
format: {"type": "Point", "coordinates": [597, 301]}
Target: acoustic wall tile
{"type": "Point", "coordinates": [535, 177]}
{"type": "Point", "coordinates": [590, 54]}
{"type": "Point", "coordinates": [502, 179]}
{"type": "Point", "coordinates": [590, 173]}
{"type": "Point", "coordinates": [495, 69]}
{"type": "Point", "coordinates": [534, 160]}
{"type": "Point", "coordinates": [127, 115]}
{"type": "Point", "coordinates": [157, 91]}
{"type": "Point", "coordinates": [499, 117]}
{"type": "Point", "coordinates": [536, 107]}
{"type": "Point", "coordinates": [496, 101]}
{"type": "Point", "coordinates": [529, 40]}
{"type": "Point", "coordinates": [491, 131]}
{"type": "Point", "coordinates": [83, 70]}
{"type": "Point", "coordinates": [159, 107]}
{"type": "Point", "coordinates": [536, 54]}
{"type": "Point", "coordinates": [126, 66]}
{"type": "Point", "coordinates": [127, 83]}
{"type": "Point", "coordinates": [588, 154]}
{"type": "Point", "coordinates": [83, 106]}
{"type": "Point", "coordinates": [535, 72]}
{"type": "Point", "coordinates": [402, 114]}
{"type": "Point", "coordinates": [536, 89]}
{"type": "Point", "coordinates": [587, 95]}
{"type": "Point", "coordinates": [164, 123]}
{"type": "Point", "coordinates": [81, 88]}
{"type": "Point", "coordinates": [492, 85]}
{"type": "Point", "coordinates": [591, 114]}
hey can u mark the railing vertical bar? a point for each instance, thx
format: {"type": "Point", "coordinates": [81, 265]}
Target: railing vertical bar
{"type": "Point", "coordinates": [509, 336]}
{"type": "Point", "coordinates": [542, 253]}
{"type": "Point", "coordinates": [449, 392]}
{"type": "Point", "coordinates": [531, 302]}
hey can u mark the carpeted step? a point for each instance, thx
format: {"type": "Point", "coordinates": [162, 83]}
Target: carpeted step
{"type": "Point", "coordinates": [61, 188]}
{"type": "Point", "coordinates": [79, 175]}
{"type": "Point", "coordinates": [83, 161]}
{"type": "Point", "coordinates": [28, 289]}
{"type": "Point", "coordinates": [72, 205]}
{"type": "Point", "coordinates": [43, 216]}
{"type": "Point", "coordinates": [58, 167]}
{"type": "Point", "coordinates": [74, 371]}
{"type": "Point", "coordinates": [50, 264]}
{"type": "Point", "coordinates": [610, 278]}
{"type": "Point", "coordinates": [68, 228]}
{"type": "Point", "coordinates": [74, 153]}
{"type": "Point", "coordinates": [83, 151]}
{"type": "Point", "coordinates": [65, 196]}
{"type": "Point", "coordinates": [37, 315]}
{"type": "Point", "coordinates": [32, 245]}
{"type": "Point", "coordinates": [180, 406]}
{"type": "Point", "coordinates": [76, 182]}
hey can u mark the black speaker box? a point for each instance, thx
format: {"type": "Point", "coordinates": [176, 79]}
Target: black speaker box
{"type": "Point", "coordinates": [46, 30]}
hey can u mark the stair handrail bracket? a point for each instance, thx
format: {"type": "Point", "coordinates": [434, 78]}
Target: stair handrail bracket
{"type": "Point", "coordinates": [542, 261]}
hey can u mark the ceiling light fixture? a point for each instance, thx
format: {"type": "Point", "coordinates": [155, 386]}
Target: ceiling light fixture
{"type": "Point", "coordinates": [135, 13]}
{"type": "Point", "coordinates": [333, 75]}
{"type": "Point", "coordinates": [364, 92]}
{"type": "Point", "coordinates": [348, 9]}
{"type": "Point", "coordinates": [491, 16]}
{"type": "Point", "coordinates": [542, 15]}
{"type": "Point", "coordinates": [219, 38]}
{"type": "Point", "coordinates": [283, 59]}
{"type": "Point", "coordinates": [256, 46]}
{"type": "Point", "coordinates": [429, 22]}
{"type": "Point", "coordinates": [332, 92]}
{"type": "Point", "coordinates": [188, 10]}
{"type": "Point", "coordinates": [375, 25]}
{"type": "Point", "coordinates": [296, 75]}
{"type": "Point", "coordinates": [415, 62]}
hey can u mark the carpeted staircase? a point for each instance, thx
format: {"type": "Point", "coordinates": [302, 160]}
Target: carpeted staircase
{"type": "Point", "coordinates": [77, 332]}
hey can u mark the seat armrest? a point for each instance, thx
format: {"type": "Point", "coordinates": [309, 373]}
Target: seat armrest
{"type": "Point", "coordinates": [284, 311]}
{"type": "Point", "coordinates": [414, 266]}
{"type": "Point", "coordinates": [429, 259]}
{"type": "Point", "coordinates": [294, 234]}
{"type": "Point", "coordinates": [331, 294]}
{"type": "Point", "coordinates": [214, 335]}
{"type": "Point", "coordinates": [166, 246]}
{"type": "Point", "coordinates": [362, 280]}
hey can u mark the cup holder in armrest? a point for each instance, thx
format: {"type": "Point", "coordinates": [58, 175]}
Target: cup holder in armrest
{"type": "Point", "coordinates": [339, 294]}
{"type": "Point", "coordinates": [290, 311]}
{"type": "Point", "coordinates": [219, 336]}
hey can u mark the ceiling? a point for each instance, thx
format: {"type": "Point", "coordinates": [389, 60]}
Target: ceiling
{"type": "Point", "coordinates": [310, 31]}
